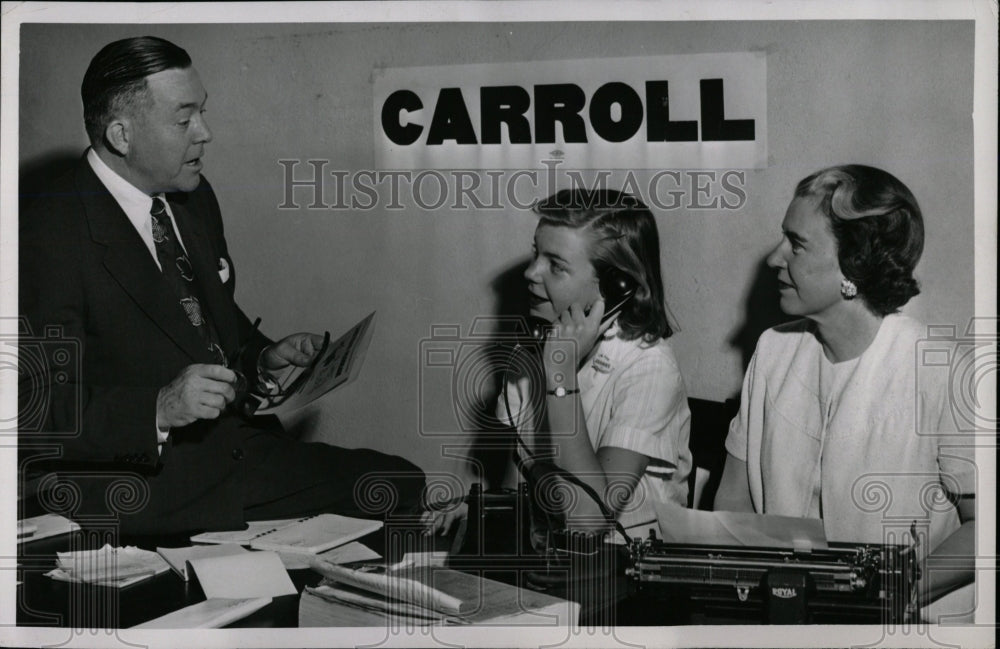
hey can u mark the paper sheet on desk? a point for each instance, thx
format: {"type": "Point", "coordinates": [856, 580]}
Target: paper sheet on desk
{"type": "Point", "coordinates": [250, 574]}
{"type": "Point", "coordinates": [244, 537]}
{"type": "Point", "coordinates": [681, 525]}
{"type": "Point", "coordinates": [44, 526]}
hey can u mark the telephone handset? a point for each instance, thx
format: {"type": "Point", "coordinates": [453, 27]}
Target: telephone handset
{"type": "Point", "coordinates": [617, 288]}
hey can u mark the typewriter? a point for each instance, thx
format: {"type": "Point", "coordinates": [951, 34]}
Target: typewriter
{"type": "Point", "coordinates": [674, 583]}
{"type": "Point", "coordinates": [844, 583]}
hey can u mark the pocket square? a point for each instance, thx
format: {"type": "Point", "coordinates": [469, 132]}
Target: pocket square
{"type": "Point", "coordinates": [223, 270]}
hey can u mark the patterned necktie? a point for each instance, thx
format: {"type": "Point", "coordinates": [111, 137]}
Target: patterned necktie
{"type": "Point", "coordinates": [179, 273]}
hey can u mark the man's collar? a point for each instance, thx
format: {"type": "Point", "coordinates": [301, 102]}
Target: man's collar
{"type": "Point", "coordinates": [122, 190]}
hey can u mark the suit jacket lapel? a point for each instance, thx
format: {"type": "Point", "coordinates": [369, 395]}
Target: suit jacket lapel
{"type": "Point", "coordinates": [127, 259]}
{"type": "Point", "coordinates": [220, 307]}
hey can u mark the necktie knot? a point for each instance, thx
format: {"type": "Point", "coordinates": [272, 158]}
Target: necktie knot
{"type": "Point", "coordinates": [160, 224]}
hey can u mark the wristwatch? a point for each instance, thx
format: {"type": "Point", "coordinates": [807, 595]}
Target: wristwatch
{"type": "Point", "coordinates": [562, 392]}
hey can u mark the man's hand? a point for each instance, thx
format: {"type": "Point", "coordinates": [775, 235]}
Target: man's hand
{"type": "Point", "coordinates": [198, 392]}
{"type": "Point", "coordinates": [297, 349]}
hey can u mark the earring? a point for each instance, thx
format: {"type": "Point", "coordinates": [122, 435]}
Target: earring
{"type": "Point", "coordinates": [848, 289]}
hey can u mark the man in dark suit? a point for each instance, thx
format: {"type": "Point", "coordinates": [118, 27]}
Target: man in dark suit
{"type": "Point", "coordinates": [127, 256]}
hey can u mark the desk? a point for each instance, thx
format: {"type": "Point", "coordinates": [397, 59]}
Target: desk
{"type": "Point", "coordinates": [42, 601]}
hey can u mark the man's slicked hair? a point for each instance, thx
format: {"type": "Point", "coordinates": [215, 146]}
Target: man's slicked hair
{"type": "Point", "coordinates": [116, 78]}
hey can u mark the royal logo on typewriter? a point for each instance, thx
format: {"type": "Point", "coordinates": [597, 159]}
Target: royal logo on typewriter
{"type": "Point", "coordinates": [784, 592]}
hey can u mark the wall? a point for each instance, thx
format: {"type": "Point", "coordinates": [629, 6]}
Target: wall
{"type": "Point", "coordinates": [893, 94]}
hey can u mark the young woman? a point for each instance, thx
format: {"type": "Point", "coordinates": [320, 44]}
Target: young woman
{"type": "Point", "coordinates": [614, 412]}
{"type": "Point", "coordinates": [608, 404]}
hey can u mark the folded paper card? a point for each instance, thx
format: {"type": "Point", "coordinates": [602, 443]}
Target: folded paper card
{"type": "Point", "coordinates": [691, 526]}
{"type": "Point", "coordinates": [250, 574]}
{"type": "Point", "coordinates": [178, 558]}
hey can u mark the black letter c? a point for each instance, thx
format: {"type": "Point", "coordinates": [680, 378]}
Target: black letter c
{"type": "Point", "coordinates": [399, 101]}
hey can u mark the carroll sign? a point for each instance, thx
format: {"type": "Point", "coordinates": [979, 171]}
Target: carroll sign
{"type": "Point", "coordinates": [688, 111]}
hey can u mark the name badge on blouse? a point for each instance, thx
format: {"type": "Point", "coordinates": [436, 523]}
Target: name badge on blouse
{"type": "Point", "coordinates": [602, 364]}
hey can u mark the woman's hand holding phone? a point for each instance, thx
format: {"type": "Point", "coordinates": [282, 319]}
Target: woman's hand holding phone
{"type": "Point", "coordinates": [573, 336]}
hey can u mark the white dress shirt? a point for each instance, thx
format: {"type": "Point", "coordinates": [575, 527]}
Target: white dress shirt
{"type": "Point", "coordinates": [136, 203]}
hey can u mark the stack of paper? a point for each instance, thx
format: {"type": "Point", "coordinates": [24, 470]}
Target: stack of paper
{"type": "Point", "coordinates": [116, 567]}
{"type": "Point", "coordinates": [423, 595]}
{"type": "Point", "coordinates": [411, 594]}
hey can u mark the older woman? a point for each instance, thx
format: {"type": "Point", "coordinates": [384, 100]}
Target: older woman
{"type": "Point", "coordinates": [837, 421]}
